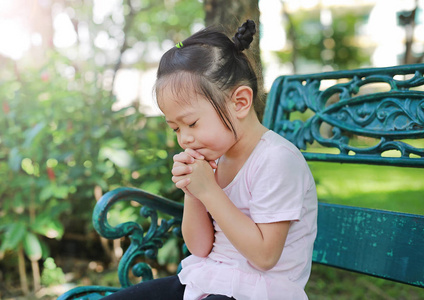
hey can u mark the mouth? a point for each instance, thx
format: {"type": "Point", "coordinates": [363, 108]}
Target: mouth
{"type": "Point", "coordinates": [208, 155]}
{"type": "Point", "coordinates": [200, 150]}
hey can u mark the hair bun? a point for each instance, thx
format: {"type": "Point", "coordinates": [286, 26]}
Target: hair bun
{"type": "Point", "coordinates": [244, 35]}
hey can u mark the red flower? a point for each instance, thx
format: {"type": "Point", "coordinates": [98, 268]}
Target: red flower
{"type": "Point", "coordinates": [51, 174]}
{"type": "Point", "coordinates": [45, 76]}
{"type": "Point", "coordinates": [6, 108]}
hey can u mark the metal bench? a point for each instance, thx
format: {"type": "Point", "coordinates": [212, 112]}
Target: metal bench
{"type": "Point", "coordinates": [329, 110]}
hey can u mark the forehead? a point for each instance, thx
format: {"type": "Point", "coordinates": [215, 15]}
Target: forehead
{"type": "Point", "coordinates": [178, 100]}
{"type": "Point", "coordinates": [181, 88]}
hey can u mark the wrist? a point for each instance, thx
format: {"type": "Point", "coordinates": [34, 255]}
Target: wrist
{"type": "Point", "coordinates": [193, 203]}
{"type": "Point", "coordinates": [211, 195]}
{"type": "Point", "coordinates": [190, 198]}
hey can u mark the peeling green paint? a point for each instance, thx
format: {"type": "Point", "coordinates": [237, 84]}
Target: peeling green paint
{"type": "Point", "coordinates": [379, 248]}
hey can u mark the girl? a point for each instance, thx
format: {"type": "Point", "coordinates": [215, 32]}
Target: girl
{"type": "Point", "coordinates": [250, 203]}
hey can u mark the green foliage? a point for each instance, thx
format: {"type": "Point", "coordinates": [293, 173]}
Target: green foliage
{"type": "Point", "coordinates": [61, 144]}
{"type": "Point", "coordinates": [32, 246]}
{"type": "Point", "coordinates": [52, 274]}
{"type": "Point", "coordinates": [60, 141]}
{"type": "Point", "coordinates": [141, 28]}
{"type": "Point", "coordinates": [335, 45]}
{"type": "Point", "coordinates": [169, 253]}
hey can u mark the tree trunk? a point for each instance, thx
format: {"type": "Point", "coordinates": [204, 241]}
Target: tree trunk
{"type": "Point", "coordinates": [230, 15]}
{"type": "Point", "coordinates": [40, 20]}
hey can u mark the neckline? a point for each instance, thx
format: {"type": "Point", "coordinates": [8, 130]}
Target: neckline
{"type": "Point", "coordinates": [246, 162]}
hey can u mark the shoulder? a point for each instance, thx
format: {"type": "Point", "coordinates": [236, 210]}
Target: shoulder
{"type": "Point", "coordinates": [276, 157]}
{"type": "Point", "coordinates": [275, 148]}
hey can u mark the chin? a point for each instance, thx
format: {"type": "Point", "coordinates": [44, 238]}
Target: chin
{"type": "Point", "coordinates": [208, 155]}
{"type": "Point", "coordinates": [211, 158]}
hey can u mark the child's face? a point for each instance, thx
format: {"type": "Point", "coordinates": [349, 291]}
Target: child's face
{"type": "Point", "coordinates": [196, 124]}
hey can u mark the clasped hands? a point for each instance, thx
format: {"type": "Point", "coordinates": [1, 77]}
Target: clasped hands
{"type": "Point", "coordinates": [193, 174]}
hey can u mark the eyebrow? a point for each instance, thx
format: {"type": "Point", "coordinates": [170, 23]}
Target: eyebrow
{"type": "Point", "coordinates": [181, 117]}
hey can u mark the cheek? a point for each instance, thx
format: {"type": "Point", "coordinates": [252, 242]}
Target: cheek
{"type": "Point", "coordinates": [179, 142]}
{"type": "Point", "coordinates": [219, 138]}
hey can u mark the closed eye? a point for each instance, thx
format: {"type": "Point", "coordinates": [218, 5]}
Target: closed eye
{"type": "Point", "coordinates": [175, 129]}
{"type": "Point", "coordinates": [192, 125]}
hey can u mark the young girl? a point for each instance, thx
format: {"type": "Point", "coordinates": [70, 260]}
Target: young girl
{"type": "Point", "coordinates": [250, 203]}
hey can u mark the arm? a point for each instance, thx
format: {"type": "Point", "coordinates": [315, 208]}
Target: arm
{"type": "Point", "coordinates": [261, 244]}
{"type": "Point", "coordinates": [197, 227]}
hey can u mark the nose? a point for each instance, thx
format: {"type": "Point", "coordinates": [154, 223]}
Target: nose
{"type": "Point", "coordinates": [186, 139]}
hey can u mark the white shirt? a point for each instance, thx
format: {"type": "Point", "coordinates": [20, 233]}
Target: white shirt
{"type": "Point", "coordinates": [275, 184]}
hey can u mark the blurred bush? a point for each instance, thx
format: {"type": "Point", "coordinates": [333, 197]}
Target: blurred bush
{"type": "Point", "coordinates": [61, 147]}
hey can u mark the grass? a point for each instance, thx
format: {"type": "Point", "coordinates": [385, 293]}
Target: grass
{"type": "Point", "coordinates": [328, 283]}
{"type": "Point", "coordinates": [378, 187]}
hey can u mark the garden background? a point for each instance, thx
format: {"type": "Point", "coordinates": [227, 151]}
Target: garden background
{"type": "Point", "coordinates": [78, 119]}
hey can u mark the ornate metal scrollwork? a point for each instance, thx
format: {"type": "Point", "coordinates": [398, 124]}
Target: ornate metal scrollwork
{"type": "Point", "coordinates": [389, 117]}
{"type": "Point", "coordinates": [143, 244]}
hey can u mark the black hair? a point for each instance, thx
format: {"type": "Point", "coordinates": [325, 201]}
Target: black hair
{"type": "Point", "coordinates": [214, 65]}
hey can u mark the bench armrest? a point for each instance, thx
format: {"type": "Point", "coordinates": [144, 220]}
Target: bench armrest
{"type": "Point", "coordinates": [143, 243]}
{"type": "Point", "coordinates": [93, 292]}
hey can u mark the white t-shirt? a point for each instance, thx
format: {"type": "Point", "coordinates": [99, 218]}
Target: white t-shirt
{"type": "Point", "coordinates": [275, 184]}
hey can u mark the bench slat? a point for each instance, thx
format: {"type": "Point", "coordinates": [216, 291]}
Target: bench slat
{"type": "Point", "coordinates": [374, 242]}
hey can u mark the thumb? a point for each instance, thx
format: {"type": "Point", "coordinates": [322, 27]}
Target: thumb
{"type": "Point", "coordinates": [213, 164]}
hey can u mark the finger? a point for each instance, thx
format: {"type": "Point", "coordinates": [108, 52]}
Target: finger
{"type": "Point", "coordinates": [175, 179]}
{"type": "Point", "coordinates": [194, 153]}
{"type": "Point", "coordinates": [213, 164]}
{"type": "Point", "coordinates": [178, 164]}
{"type": "Point", "coordinates": [183, 158]}
{"type": "Point", "coordinates": [181, 170]}
{"type": "Point", "coordinates": [185, 190]}
{"type": "Point", "coordinates": [182, 183]}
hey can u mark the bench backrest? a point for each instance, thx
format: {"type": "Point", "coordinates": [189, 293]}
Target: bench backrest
{"type": "Point", "coordinates": [362, 116]}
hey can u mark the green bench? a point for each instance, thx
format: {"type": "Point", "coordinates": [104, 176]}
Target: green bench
{"type": "Point", "coordinates": [383, 107]}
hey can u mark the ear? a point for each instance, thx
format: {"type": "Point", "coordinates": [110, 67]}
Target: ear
{"type": "Point", "coordinates": [242, 101]}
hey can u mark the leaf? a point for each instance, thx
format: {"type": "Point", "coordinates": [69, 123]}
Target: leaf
{"type": "Point", "coordinates": [44, 249]}
{"type": "Point", "coordinates": [14, 235]}
{"type": "Point", "coordinates": [98, 132]}
{"type": "Point", "coordinates": [48, 225]}
{"type": "Point", "coordinates": [53, 190]}
{"type": "Point", "coordinates": [15, 159]}
{"type": "Point", "coordinates": [60, 192]}
{"type": "Point", "coordinates": [169, 253]}
{"type": "Point", "coordinates": [32, 247]}
{"type": "Point", "coordinates": [116, 143]}
{"type": "Point", "coordinates": [119, 157]}
{"type": "Point", "coordinates": [58, 208]}
{"type": "Point", "coordinates": [46, 193]}
{"type": "Point", "coordinates": [32, 133]}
